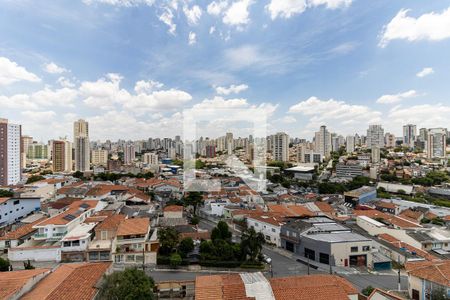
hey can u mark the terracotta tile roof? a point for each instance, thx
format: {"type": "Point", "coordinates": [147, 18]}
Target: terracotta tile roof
{"type": "Point", "coordinates": [290, 210]}
{"type": "Point", "coordinates": [395, 220]}
{"type": "Point", "coordinates": [103, 189]}
{"type": "Point", "coordinates": [324, 207]}
{"type": "Point", "coordinates": [135, 226]}
{"type": "Point", "coordinates": [411, 214]}
{"type": "Point", "coordinates": [385, 204]}
{"type": "Point", "coordinates": [73, 210]}
{"type": "Point", "coordinates": [399, 244]}
{"type": "Point", "coordinates": [111, 222]}
{"type": "Point", "coordinates": [12, 282]}
{"type": "Point", "coordinates": [4, 199]}
{"type": "Point", "coordinates": [438, 272]}
{"type": "Point", "coordinates": [70, 281]}
{"type": "Point", "coordinates": [387, 295]}
{"type": "Point", "coordinates": [173, 208]}
{"type": "Point", "coordinates": [272, 218]}
{"type": "Point", "coordinates": [63, 202]}
{"type": "Point", "coordinates": [21, 231]}
{"type": "Point", "coordinates": [317, 287]}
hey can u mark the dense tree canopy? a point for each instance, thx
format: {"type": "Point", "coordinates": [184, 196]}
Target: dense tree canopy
{"type": "Point", "coordinates": [130, 284]}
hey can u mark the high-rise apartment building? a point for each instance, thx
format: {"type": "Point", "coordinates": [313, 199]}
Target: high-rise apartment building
{"type": "Point", "coordinates": [26, 142]}
{"type": "Point", "coordinates": [229, 143]}
{"type": "Point", "coordinates": [375, 151]}
{"type": "Point", "coordinates": [280, 146]}
{"type": "Point", "coordinates": [150, 159]}
{"type": "Point", "coordinates": [437, 143]}
{"type": "Point", "coordinates": [375, 136]}
{"type": "Point", "coordinates": [37, 151]}
{"type": "Point", "coordinates": [99, 157]}
{"type": "Point", "coordinates": [10, 153]}
{"type": "Point", "coordinates": [322, 142]}
{"type": "Point", "coordinates": [389, 140]}
{"type": "Point", "coordinates": [62, 156]}
{"type": "Point", "coordinates": [423, 135]}
{"type": "Point", "coordinates": [81, 144]}
{"type": "Point", "coordinates": [350, 144]}
{"type": "Point", "coordinates": [129, 154]}
{"type": "Point", "coordinates": [409, 135]}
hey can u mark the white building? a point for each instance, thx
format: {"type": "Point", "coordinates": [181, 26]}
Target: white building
{"type": "Point", "coordinates": [269, 225]}
{"type": "Point", "coordinates": [350, 144]}
{"type": "Point", "coordinates": [322, 142]}
{"type": "Point", "coordinates": [375, 136]}
{"type": "Point", "coordinates": [129, 154]}
{"type": "Point", "coordinates": [15, 209]}
{"type": "Point", "coordinates": [375, 154]}
{"type": "Point", "coordinates": [81, 144]}
{"type": "Point", "coordinates": [280, 146]}
{"type": "Point", "coordinates": [150, 159]}
{"type": "Point", "coordinates": [389, 140]}
{"type": "Point", "coordinates": [10, 153]}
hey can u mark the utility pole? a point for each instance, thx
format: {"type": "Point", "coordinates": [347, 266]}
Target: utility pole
{"type": "Point", "coordinates": [399, 278]}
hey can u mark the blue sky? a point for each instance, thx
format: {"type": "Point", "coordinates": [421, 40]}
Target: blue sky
{"type": "Point", "coordinates": [131, 66]}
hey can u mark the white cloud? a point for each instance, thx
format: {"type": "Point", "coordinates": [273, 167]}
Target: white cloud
{"type": "Point", "coordinates": [193, 15]}
{"type": "Point", "coordinates": [103, 93]}
{"type": "Point", "coordinates": [425, 72]}
{"type": "Point", "coordinates": [288, 120]}
{"type": "Point", "coordinates": [38, 116]}
{"type": "Point", "coordinates": [125, 3]}
{"type": "Point", "coordinates": [158, 100]}
{"type": "Point", "coordinates": [192, 38]}
{"type": "Point", "coordinates": [220, 102]}
{"type": "Point", "coordinates": [237, 14]}
{"type": "Point", "coordinates": [235, 89]}
{"type": "Point", "coordinates": [420, 114]}
{"type": "Point", "coordinates": [212, 29]}
{"type": "Point", "coordinates": [252, 56]}
{"type": "Point", "coordinates": [342, 116]}
{"type": "Point", "coordinates": [167, 18]}
{"type": "Point", "coordinates": [11, 72]}
{"type": "Point", "coordinates": [395, 98]}
{"type": "Point", "coordinates": [431, 26]}
{"type": "Point", "coordinates": [288, 8]}
{"type": "Point", "coordinates": [64, 97]}
{"type": "Point", "coordinates": [65, 82]}
{"type": "Point", "coordinates": [344, 48]}
{"type": "Point", "coordinates": [143, 86]}
{"type": "Point", "coordinates": [216, 8]}
{"type": "Point", "coordinates": [53, 68]}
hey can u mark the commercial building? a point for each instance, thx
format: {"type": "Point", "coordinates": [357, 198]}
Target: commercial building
{"type": "Point", "coordinates": [304, 173]}
{"type": "Point", "coordinates": [81, 145]}
{"type": "Point", "coordinates": [322, 142]}
{"type": "Point", "coordinates": [323, 240]}
{"type": "Point", "coordinates": [375, 136]}
{"type": "Point", "coordinates": [10, 153]}
{"type": "Point", "coordinates": [348, 170]}
{"type": "Point", "coordinates": [14, 209]}
{"type": "Point", "coordinates": [361, 195]}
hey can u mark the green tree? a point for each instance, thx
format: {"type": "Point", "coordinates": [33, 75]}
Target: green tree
{"type": "Point", "coordinates": [195, 220]}
{"type": "Point", "coordinates": [34, 178]}
{"type": "Point", "coordinates": [5, 193]}
{"type": "Point", "coordinates": [195, 199]}
{"type": "Point", "coordinates": [175, 259]}
{"type": "Point", "coordinates": [4, 265]}
{"type": "Point", "coordinates": [168, 239]}
{"type": "Point", "coordinates": [78, 175]}
{"type": "Point", "coordinates": [186, 246]}
{"type": "Point", "coordinates": [221, 232]}
{"type": "Point", "coordinates": [367, 290]}
{"type": "Point", "coordinates": [129, 284]}
{"type": "Point", "coordinates": [27, 265]}
{"type": "Point", "coordinates": [251, 243]}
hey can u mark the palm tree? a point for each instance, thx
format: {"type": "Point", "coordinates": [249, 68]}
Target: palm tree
{"type": "Point", "coordinates": [251, 243]}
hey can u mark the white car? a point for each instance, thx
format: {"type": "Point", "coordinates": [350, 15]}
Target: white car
{"type": "Point", "coordinates": [267, 259]}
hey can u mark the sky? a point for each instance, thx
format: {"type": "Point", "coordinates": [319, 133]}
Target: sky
{"type": "Point", "coordinates": [131, 67]}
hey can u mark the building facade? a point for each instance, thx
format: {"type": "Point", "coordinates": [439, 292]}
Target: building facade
{"type": "Point", "coordinates": [10, 153]}
{"type": "Point", "coordinates": [81, 144]}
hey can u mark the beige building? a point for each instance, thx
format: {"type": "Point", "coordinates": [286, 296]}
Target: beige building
{"type": "Point", "coordinates": [62, 156]}
{"type": "Point", "coordinates": [99, 157]}
{"type": "Point", "coordinates": [81, 145]}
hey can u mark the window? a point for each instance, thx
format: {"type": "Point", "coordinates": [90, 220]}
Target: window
{"type": "Point", "coordinates": [268, 237]}
{"type": "Point", "coordinates": [16, 202]}
{"type": "Point", "coordinates": [66, 244]}
{"type": "Point", "coordinates": [354, 249]}
{"type": "Point", "coordinates": [75, 243]}
{"type": "Point", "coordinates": [104, 234]}
{"type": "Point", "coordinates": [365, 248]}
{"type": "Point", "coordinates": [324, 258]}
{"type": "Point", "coordinates": [256, 225]}
{"type": "Point", "coordinates": [273, 229]}
{"type": "Point", "coordinates": [311, 254]}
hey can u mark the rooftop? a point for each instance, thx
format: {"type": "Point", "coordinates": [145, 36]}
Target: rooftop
{"type": "Point", "coordinates": [173, 208]}
{"type": "Point", "coordinates": [75, 209]}
{"type": "Point", "coordinates": [13, 282]}
{"type": "Point", "coordinates": [137, 226]}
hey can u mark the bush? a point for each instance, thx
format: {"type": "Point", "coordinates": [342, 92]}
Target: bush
{"type": "Point", "coordinates": [4, 265]}
{"type": "Point", "coordinates": [186, 246]}
{"type": "Point", "coordinates": [220, 264]}
{"type": "Point", "coordinates": [175, 260]}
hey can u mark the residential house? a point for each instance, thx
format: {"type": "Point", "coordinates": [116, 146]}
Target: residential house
{"type": "Point", "coordinates": [428, 280]}
{"type": "Point", "coordinates": [135, 243]}
{"type": "Point", "coordinates": [269, 224]}
{"type": "Point", "coordinates": [99, 249]}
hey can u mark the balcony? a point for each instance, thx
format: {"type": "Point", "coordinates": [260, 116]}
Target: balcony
{"type": "Point", "coordinates": [40, 236]}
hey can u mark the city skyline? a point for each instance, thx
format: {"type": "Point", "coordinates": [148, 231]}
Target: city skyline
{"type": "Point", "coordinates": [128, 76]}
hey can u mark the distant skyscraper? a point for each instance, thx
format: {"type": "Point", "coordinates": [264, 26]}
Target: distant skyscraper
{"type": "Point", "coordinates": [350, 144]}
{"type": "Point", "coordinates": [322, 142]}
{"type": "Point", "coordinates": [389, 140]}
{"type": "Point", "coordinates": [129, 154]}
{"type": "Point", "coordinates": [99, 157]}
{"type": "Point", "coordinates": [26, 142]}
{"type": "Point", "coordinates": [375, 136]}
{"type": "Point", "coordinates": [10, 153]}
{"type": "Point", "coordinates": [375, 151]}
{"type": "Point", "coordinates": [62, 156]}
{"type": "Point", "coordinates": [436, 143]}
{"type": "Point", "coordinates": [81, 144]}
{"type": "Point", "coordinates": [280, 146]}
{"type": "Point", "coordinates": [229, 143]}
{"type": "Point", "coordinates": [409, 135]}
